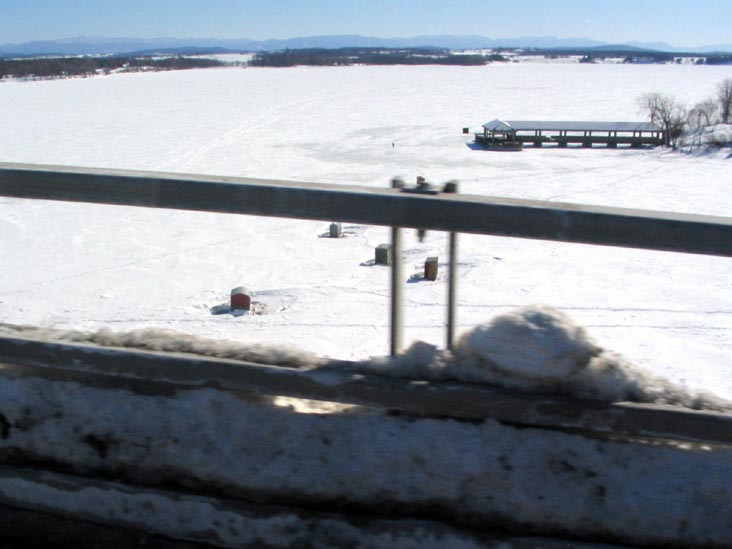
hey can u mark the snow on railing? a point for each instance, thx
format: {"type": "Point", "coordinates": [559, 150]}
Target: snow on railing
{"type": "Point", "coordinates": [156, 372]}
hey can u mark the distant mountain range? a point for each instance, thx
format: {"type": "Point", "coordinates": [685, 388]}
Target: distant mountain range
{"type": "Point", "coordinates": [82, 45]}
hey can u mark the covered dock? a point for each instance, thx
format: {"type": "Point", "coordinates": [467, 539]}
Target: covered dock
{"type": "Point", "coordinates": [498, 133]}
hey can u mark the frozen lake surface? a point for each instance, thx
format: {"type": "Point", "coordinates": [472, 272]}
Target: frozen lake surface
{"type": "Point", "coordinates": [88, 267]}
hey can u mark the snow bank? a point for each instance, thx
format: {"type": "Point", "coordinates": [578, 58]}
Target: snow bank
{"type": "Point", "coordinates": [539, 349]}
{"type": "Point", "coordinates": [483, 474]}
{"type": "Point", "coordinates": [719, 135]}
{"type": "Point", "coordinates": [211, 521]}
{"type": "Point", "coordinates": [161, 339]}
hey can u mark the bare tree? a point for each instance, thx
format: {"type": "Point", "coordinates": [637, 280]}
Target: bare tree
{"type": "Point", "coordinates": [665, 111]}
{"type": "Point", "coordinates": [703, 114]}
{"type": "Point", "coordinates": [724, 95]}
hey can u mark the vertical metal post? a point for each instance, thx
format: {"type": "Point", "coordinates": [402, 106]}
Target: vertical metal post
{"type": "Point", "coordinates": [452, 291]}
{"type": "Point", "coordinates": [451, 187]}
{"type": "Point", "coordinates": [397, 285]}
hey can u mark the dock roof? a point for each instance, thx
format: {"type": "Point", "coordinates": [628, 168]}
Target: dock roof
{"type": "Point", "coordinates": [570, 126]}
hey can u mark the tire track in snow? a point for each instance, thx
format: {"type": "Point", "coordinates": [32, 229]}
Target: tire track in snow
{"type": "Point", "coordinates": [608, 309]}
{"type": "Point", "coordinates": [243, 128]}
{"type": "Point", "coordinates": [369, 324]}
{"type": "Point", "coordinates": [656, 327]}
{"type": "Point", "coordinates": [608, 186]}
{"type": "Point", "coordinates": [116, 267]}
{"type": "Point", "coordinates": [531, 175]}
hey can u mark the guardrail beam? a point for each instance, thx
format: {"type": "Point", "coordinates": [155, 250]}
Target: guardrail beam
{"type": "Point", "coordinates": [520, 218]}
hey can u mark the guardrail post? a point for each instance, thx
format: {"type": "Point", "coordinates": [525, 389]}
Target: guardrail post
{"type": "Point", "coordinates": [397, 282]}
{"type": "Point", "coordinates": [451, 187]}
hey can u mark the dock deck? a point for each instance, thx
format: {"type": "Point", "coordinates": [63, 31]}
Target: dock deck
{"type": "Point", "coordinates": [564, 133]}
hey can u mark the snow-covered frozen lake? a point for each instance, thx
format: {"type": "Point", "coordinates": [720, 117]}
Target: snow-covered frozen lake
{"type": "Point", "coordinates": [87, 266]}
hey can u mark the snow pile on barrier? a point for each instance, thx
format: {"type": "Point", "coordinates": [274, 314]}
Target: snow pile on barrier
{"type": "Point", "coordinates": [539, 349]}
{"type": "Point", "coordinates": [160, 339]}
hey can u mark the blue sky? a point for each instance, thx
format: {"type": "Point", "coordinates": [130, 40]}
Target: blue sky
{"type": "Point", "coordinates": [679, 22]}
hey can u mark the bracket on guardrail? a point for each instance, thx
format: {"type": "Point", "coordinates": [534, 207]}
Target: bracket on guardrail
{"type": "Point", "coordinates": [422, 187]}
{"type": "Point", "coordinates": [397, 305]}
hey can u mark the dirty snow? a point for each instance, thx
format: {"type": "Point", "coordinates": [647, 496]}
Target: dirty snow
{"type": "Point", "coordinates": [482, 475]}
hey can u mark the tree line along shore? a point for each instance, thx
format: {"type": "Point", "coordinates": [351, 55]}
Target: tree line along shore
{"type": "Point", "coordinates": [75, 67]}
{"type": "Point", "coordinates": [42, 67]}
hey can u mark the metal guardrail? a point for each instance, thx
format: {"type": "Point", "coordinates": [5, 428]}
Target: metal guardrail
{"type": "Point", "coordinates": [160, 373]}
{"type": "Point", "coordinates": [441, 211]}
{"type": "Point", "coordinates": [375, 206]}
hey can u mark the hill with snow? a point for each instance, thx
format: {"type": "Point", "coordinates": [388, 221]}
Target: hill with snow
{"type": "Point", "coordinates": [124, 45]}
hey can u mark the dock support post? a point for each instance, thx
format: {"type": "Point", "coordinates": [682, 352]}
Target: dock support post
{"type": "Point", "coordinates": [397, 293]}
{"type": "Point", "coordinates": [451, 187]}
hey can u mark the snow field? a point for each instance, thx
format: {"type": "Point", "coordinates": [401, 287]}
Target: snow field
{"type": "Point", "coordinates": [87, 267]}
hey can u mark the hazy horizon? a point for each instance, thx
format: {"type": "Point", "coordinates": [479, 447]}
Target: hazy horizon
{"type": "Point", "coordinates": [623, 21]}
